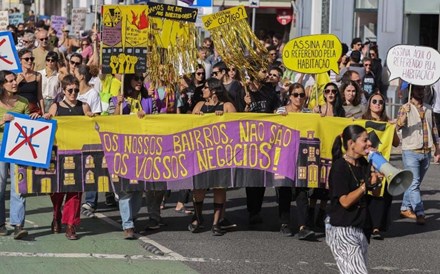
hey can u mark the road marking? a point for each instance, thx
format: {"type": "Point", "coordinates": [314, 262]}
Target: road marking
{"type": "Point", "coordinates": [143, 239]}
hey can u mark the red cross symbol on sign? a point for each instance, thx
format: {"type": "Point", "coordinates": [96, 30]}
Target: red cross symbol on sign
{"type": "Point", "coordinates": [27, 140]}
{"type": "Point", "coordinates": [3, 58]}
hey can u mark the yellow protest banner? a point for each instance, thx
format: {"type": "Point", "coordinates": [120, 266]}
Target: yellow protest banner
{"type": "Point", "coordinates": [313, 53]}
{"type": "Point", "coordinates": [224, 17]}
{"type": "Point", "coordinates": [124, 38]}
{"type": "Point", "coordinates": [129, 152]}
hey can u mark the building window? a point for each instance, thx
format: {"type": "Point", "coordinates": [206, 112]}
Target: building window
{"type": "Point", "coordinates": [365, 20]}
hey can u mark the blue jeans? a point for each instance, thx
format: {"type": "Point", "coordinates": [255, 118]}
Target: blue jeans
{"type": "Point", "coordinates": [129, 205]}
{"type": "Point", "coordinates": [418, 164]}
{"type": "Point", "coordinates": [92, 198]}
{"type": "Point", "coordinates": [17, 210]}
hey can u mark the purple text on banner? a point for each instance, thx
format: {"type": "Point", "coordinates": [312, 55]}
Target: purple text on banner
{"type": "Point", "coordinates": [245, 144]}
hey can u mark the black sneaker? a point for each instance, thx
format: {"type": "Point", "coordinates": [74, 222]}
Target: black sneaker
{"type": "Point", "coordinates": [255, 219]}
{"type": "Point", "coordinates": [306, 234]}
{"type": "Point", "coordinates": [19, 233]}
{"type": "Point", "coordinates": [285, 230]}
{"type": "Point", "coordinates": [3, 230]}
{"type": "Point", "coordinates": [376, 235]}
{"type": "Point", "coordinates": [110, 200]}
{"type": "Point", "coordinates": [226, 224]}
{"type": "Point", "coordinates": [152, 225]}
{"type": "Point", "coordinates": [217, 231]}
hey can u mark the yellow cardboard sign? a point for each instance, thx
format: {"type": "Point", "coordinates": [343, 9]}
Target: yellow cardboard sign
{"type": "Point", "coordinates": [313, 53]}
{"type": "Point", "coordinates": [224, 17]}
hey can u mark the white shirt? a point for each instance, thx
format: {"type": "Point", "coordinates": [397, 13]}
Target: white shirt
{"type": "Point", "coordinates": [95, 82]}
{"type": "Point", "coordinates": [91, 97]}
{"type": "Point", "coordinates": [51, 85]}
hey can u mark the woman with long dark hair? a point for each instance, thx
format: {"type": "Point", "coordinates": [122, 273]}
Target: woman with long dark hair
{"type": "Point", "coordinates": [216, 101]}
{"type": "Point", "coordinates": [10, 101]}
{"type": "Point", "coordinates": [349, 219]}
{"type": "Point", "coordinates": [351, 99]}
{"type": "Point", "coordinates": [29, 82]}
{"type": "Point", "coordinates": [333, 102]}
{"type": "Point", "coordinates": [379, 206]}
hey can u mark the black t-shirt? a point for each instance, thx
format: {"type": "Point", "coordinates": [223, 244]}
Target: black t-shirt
{"type": "Point", "coordinates": [342, 182]}
{"type": "Point", "coordinates": [265, 100]}
{"type": "Point", "coordinates": [369, 84]}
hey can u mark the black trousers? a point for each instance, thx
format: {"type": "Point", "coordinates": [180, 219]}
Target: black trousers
{"type": "Point", "coordinates": [285, 197]}
{"type": "Point", "coordinates": [254, 199]}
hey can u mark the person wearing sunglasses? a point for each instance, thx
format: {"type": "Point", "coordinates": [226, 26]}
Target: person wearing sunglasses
{"type": "Point", "coordinates": [260, 98]}
{"type": "Point", "coordinates": [235, 90]}
{"type": "Point", "coordinates": [369, 84]}
{"type": "Point", "coordinates": [296, 97]}
{"type": "Point", "coordinates": [136, 100]}
{"type": "Point", "coordinates": [333, 102]}
{"type": "Point", "coordinates": [43, 48]}
{"type": "Point", "coordinates": [333, 108]}
{"type": "Point", "coordinates": [351, 98]}
{"type": "Point", "coordinates": [69, 214]}
{"type": "Point", "coordinates": [29, 82]}
{"type": "Point", "coordinates": [216, 100]}
{"type": "Point", "coordinates": [49, 78]}
{"type": "Point", "coordinates": [10, 101]}
{"type": "Point", "coordinates": [379, 206]}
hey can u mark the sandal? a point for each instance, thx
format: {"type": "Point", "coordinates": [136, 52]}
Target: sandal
{"type": "Point", "coordinates": [184, 211]}
{"type": "Point", "coordinates": [195, 227]}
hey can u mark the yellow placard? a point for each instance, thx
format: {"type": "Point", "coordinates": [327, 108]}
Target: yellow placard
{"type": "Point", "coordinates": [313, 53]}
{"type": "Point", "coordinates": [224, 17]}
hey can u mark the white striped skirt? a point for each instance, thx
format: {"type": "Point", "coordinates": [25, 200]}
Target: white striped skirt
{"type": "Point", "coordinates": [349, 247]}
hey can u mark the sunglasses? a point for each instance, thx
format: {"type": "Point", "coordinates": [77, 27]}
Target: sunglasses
{"type": "Point", "coordinates": [367, 65]}
{"type": "Point", "coordinates": [377, 102]}
{"type": "Point", "coordinates": [214, 73]}
{"type": "Point", "coordinates": [43, 39]}
{"type": "Point", "coordinates": [200, 73]}
{"type": "Point", "coordinates": [301, 95]}
{"type": "Point", "coordinates": [27, 59]}
{"type": "Point", "coordinates": [273, 75]}
{"type": "Point", "coordinates": [75, 63]}
{"type": "Point", "coordinates": [71, 90]}
{"type": "Point", "coordinates": [138, 78]}
{"type": "Point", "coordinates": [51, 60]}
{"type": "Point", "coordinates": [333, 91]}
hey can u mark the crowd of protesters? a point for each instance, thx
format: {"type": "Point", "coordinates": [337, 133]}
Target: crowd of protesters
{"type": "Point", "coordinates": [61, 77]}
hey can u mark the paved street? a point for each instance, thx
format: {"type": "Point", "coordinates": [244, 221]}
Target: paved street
{"type": "Point", "coordinates": [407, 248]}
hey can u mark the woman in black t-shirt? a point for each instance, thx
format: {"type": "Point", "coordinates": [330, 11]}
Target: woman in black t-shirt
{"type": "Point", "coordinates": [349, 217]}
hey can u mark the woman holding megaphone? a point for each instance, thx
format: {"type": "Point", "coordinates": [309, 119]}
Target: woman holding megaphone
{"type": "Point", "coordinates": [349, 219]}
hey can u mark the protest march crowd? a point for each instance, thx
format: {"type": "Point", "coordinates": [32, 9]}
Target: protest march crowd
{"type": "Point", "coordinates": [61, 76]}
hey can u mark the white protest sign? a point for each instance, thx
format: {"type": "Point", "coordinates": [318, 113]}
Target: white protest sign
{"type": "Point", "coordinates": [4, 19]}
{"type": "Point", "coordinates": [28, 142]}
{"type": "Point", "coordinates": [416, 65]}
{"type": "Point", "coordinates": [78, 19]}
{"type": "Point", "coordinates": [8, 53]}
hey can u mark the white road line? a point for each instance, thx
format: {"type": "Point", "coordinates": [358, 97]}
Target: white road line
{"type": "Point", "coordinates": [144, 239]}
